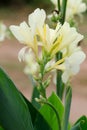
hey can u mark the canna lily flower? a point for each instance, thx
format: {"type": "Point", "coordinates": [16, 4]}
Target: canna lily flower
{"type": "Point", "coordinates": [70, 38]}
{"type": "Point", "coordinates": [24, 35]}
{"type": "Point", "coordinates": [27, 34]}
{"type": "Point", "coordinates": [64, 38]}
{"type": "Point", "coordinates": [72, 65]}
{"type": "Point", "coordinates": [38, 33]}
{"type": "Point", "coordinates": [36, 21]}
{"type": "Point", "coordinates": [74, 7]}
{"type": "Point", "coordinates": [77, 7]}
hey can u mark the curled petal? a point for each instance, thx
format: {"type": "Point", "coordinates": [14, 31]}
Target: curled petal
{"type": "Point", "coordinates": [77, 57]}
{"type": "Point", "coordinates": [22, 33]}
{"type": "Point", "coordinates": [21, 54]}
{"type": "Point", "coordinates": [72, 65]}
{"type": "Point", "coordinates": [65, 77]}
{"type": "Point", "coordinates": [36, 19]}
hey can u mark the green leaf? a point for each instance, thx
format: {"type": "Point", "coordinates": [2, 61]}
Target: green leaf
{"type": "Point", "coordinates": [1, 128]}
{"type": "Point", "coordinates": [14, 112]}
{"type": "Point", "coordinates": [49, 114]}
{"type": "Point", "coordinates": [68, 97]}
{"type": "Point", "coordinates": [81, 124]}
{"type": "Point", "coordinates": [38, 121]}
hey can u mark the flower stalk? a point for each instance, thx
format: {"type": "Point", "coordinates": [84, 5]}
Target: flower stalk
{"type": "Point", "coordinates": [42, 64]}
{"type": "Point", "coordinates": [59, 83]}
{"type": "Point", "coordinates": [63, 10]}
{"type": "Point", "coordinates": [59, 8]}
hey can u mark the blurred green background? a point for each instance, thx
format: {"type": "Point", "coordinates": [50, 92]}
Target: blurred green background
{"type": "Point", "coordinates": [22, 2]}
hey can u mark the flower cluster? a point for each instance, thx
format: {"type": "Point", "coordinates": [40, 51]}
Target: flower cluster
{"type": "Point", "coordinates": [74, 7]}
{"type": "Point", "coordinates": [42, 43]}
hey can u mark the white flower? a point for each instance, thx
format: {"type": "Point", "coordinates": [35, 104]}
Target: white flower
{"type": "Point", "coordinates": [24, 35]}
{"type": "Point", "coordinates": [2, 32]}
{"type": "Point", "coordinates": [77, 6]}
{"type": "Point", "coordinates": [36, 20]}
{"type": "Point", "coordinates": [64, 38]}
{"type": "Point", "coordinates": [69, 36]}
{"type": "Point", "coordinates": [72, 65]}
{"type": "Point", "coordinates": [72, 54]}
{"type": "Point", "coordinates": [74, 7]}
{"type": "Point", "coordinates": [27, 34]}
{"type": "Point", "coordinates": [32, 66]}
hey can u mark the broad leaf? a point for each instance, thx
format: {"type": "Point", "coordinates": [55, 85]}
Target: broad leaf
{"type": "Point", "coordinates": [1, 128]}
{"type": "Point", "coordinates": [14, 112]}
{"type": "Point", "coordinates": [68, 97]}
{"type": "Point", "coordinates": [38, 121]}
{"type": "Point", "coordinates": [81, 124]}
{"type": "Point", "coordinates": [49, 114]}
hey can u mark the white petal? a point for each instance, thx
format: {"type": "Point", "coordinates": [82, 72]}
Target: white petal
{"type": "Point", "coordinates": [29, 56]}
{"type": "Point", "coordinates": [16, 32]}
{"type": "Point", "coordinates": [21, 54]}
{"type": "Point", "coordinates": [37, 18]}
{"type": "Point", "coordinates": [75, 69]}
{"type": "Point", "coordinates": [65, 77]}
{"type": "Point", "coordinates": [83, 7]}
{"type": "Point", "coordinates": [77, 57]}
{"type": "Point", "coordinates": [25, 32]}
{"type": "Point", "coordinates": [22, 33]}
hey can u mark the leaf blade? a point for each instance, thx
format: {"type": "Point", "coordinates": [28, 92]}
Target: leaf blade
{"type": "Point", "coordinates": [14, 113]}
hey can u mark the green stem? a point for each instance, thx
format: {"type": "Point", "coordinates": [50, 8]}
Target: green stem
{"type": "Point", "coordinates": [63, 10]}
{"type": "Point", "coordinates": [57, 115]}
{"type": "Point", "coordinates": [42, 64]}
{"type": "Point", "coordinates": [58, 1]}
{"type": "Point", "coordinates": [59, 83]}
